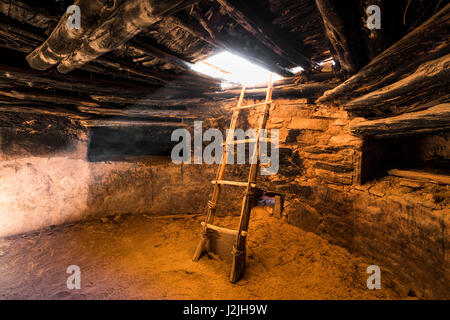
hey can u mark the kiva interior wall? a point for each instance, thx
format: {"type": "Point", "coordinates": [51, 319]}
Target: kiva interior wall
{"type": "Point", "coordinates": [42, 184]}
{"type": "Point", "coordinates": [396, 224]}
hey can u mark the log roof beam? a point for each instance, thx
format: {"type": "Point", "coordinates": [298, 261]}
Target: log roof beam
{"type": "Point", "coordinates": [434, 119]}
{"type": "Point", "coordinates": [427, 42]}
{"type": "Point", "coordinates": [264, 32]}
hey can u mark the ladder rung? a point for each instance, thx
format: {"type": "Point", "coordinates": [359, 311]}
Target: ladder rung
{"type": "Point", "coordinates": [253, 105]}
{"type": "Point", "coordinates": [224, 230]}
{"type": "Point", "coordinates": [245, 141]}
{"type": "Point", "coordinates": [233, 183]}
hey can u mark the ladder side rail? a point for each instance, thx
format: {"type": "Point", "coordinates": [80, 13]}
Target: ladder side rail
{"type": "Point", "coordinates": [238, 263]}
{"type": "Point", "coordinates": [255, 158]}
{"type": "Point", "coordinates": [221, 170]}
{"type": "Point", "coordinates": [212, 204]}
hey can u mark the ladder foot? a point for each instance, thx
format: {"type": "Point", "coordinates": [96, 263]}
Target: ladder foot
{"type": "Point", "coordinates": [202, 244]}
{"type": "Point", "coordinates": [238, 265]}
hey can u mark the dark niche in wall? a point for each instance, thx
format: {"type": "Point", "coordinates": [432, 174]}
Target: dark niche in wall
{"type": "Point", "coordinates": [125, 143]}
{"type": "Point", "coordinates": [430, 153]}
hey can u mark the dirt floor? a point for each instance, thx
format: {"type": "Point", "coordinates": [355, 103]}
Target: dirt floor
{"type": "Point", "coordinates": [144, 257]}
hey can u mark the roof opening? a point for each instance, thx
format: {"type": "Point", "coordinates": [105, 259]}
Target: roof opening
{"type": "Point", "coordinates": [297, 69]}
{"type": "Point", "coordinates": [233, 69]}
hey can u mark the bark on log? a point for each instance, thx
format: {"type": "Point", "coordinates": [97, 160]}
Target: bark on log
{"type": "Point", "coordinates": [434, 119]}
{"type": "Point", "coordinates": [429, 83]}
{"type": "Point", "coordinates": [25, 41]}
{"type": "Point", "coordinates": [127, 21]}
{"type": "Point", "coordinates": [427, 42]}
{"type": "Point", "coordinates": [64, 40]}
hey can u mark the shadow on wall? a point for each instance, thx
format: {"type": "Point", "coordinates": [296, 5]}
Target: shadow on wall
{"type": "Point", "coordinates": [121, 143]}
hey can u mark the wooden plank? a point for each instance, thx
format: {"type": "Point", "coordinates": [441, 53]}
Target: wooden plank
{"type": "Point", "coordinates": [421, 176]}
{"type": "Point", "coordinates": [234, 142]}
{"type": "Point", "coordinates": [221, 241]}
{"type": "Point", "coordinates": [233, 183]}
{"type": "Point", "coordinates": [253, 105]}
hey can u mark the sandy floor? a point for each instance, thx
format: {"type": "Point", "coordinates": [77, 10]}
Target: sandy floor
{"type": "Point", "coordinates": [142, 257]}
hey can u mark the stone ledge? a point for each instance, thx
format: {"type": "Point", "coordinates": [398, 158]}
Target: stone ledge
{"type": "Point", "coordinates": [311, 124]}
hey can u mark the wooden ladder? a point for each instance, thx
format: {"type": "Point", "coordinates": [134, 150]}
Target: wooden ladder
{"type": "Point", "coordinates": [227, 243]}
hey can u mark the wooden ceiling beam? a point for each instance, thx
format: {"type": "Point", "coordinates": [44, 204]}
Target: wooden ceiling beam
{"type": "Point", "coordinates": [427, 42]}
{"type": "Point", "coordinates": [430, 82]}
{"type": "Point", "coordinates": [434, 119]}
{"type": "Point", "coordinates": [20, 77]}
{"type": "Point", "coordinates": [25, 40]}
{"type": "Point", "coordinates": [152, 101]}
{"type": "Point", "coordinates": [24, 13]}
{"type": "Point", "coordinates": [128, 20]}
{"type": "Point", "coordinates": [343, 33]}
{"type": "Point", "coordinates": [130, 123]}
{"type": "Point", "coordinates": [141, 113]}
{"type": "Point", "coordinates": [48, 98]}
{"type": "Point", "coordinates": [264, 32]}
{"type": "Point", "coordinates": [59, 112]}
{"type": "Point", "coordinates": [64, 40]}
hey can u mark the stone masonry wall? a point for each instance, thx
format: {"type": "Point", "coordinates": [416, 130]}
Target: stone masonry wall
{"type": "Point", "coordinates": [398, 225]}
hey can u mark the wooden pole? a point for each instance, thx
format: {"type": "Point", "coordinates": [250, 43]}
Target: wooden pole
{"type": "Point", "coordinates": [239, 250]}
{"type": "Point", "coordinates": [212, 204]}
